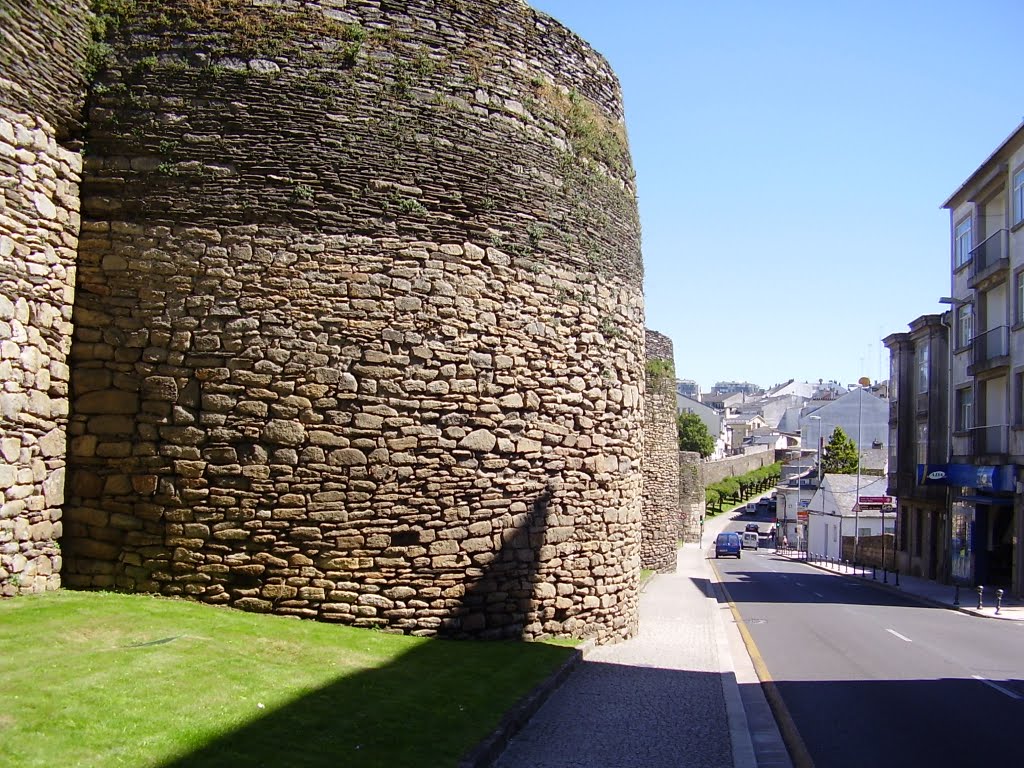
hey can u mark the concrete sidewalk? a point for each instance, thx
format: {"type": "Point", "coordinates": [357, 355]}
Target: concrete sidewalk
{"type": "Point", "coordinates": [943, 595]}
{"type": "Point", "coordinates": [669, 696]}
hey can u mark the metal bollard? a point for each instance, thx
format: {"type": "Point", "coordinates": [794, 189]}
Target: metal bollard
{"type": "Point", "coordinates": [999, 600]}
{"type": "Point", "coordinates": [956, 595]}
{"type": "Point", "coordinates": [885, 574]}
{"type": "Point", "coordinates": [981, 592]}
{"type": "Point", "coordinates": [897, 577]}
{"type": "Point", "coordinates": [874, 576]}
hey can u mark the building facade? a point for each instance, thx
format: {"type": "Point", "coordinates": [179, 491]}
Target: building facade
{"type": "Point", "coordinates": [987, 371]}
{"type": "Point", "coordinates": [918, 437]}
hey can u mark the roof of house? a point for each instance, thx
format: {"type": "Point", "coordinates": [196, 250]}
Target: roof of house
{"type": "Point", "coordinates": [840, 491]}
{"type": "Point", "coordinates": [1017, 133]}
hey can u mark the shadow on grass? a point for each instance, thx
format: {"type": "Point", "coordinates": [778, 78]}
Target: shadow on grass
{"type": "Point", "coordinates": [427, 707]}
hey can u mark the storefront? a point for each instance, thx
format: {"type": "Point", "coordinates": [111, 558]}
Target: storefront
{"type": "Point", "coordinates": [982, 532]}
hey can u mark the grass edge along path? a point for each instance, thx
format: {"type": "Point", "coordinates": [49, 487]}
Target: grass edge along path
{"type": "Point", "coordinates": [94, 678]}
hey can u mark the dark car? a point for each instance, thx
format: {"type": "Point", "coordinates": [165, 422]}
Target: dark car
{"type": "Point", "coordinates": [728, 543]}
{"type": "Point", "coordinates": [753, 527]}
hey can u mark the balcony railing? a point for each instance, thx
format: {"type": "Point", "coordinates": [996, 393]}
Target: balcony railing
{"type": "Point", "coordinates": [989, 252]}
{"type": "Point", "coordinates": [991, 345]}
{"type": "Point", "coordinates": [990, 439]}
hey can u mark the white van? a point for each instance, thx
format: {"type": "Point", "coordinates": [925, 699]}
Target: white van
{"type": "Point", "coordinates": [749, 539]}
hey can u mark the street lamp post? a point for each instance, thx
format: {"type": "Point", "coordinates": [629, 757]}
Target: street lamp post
{"type": "Point", "coordinates": [856, 500]}
{"type": "Point", "coordinates": [817, 461]}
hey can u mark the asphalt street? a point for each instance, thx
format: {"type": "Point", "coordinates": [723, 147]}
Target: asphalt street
{"type": "Point", "coordinates": [871, 678]}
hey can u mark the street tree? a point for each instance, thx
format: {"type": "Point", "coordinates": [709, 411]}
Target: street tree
{"type": "Point", "coordinates": [840, 456]}
{"type": "Point", "coordinates": [694, 435]}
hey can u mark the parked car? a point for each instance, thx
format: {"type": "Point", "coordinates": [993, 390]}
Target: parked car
{"type": "Point", "coordinates": [763, 507]}
{"type": "Point", "coordinates": [750, 540]}
{"type": "Point", "coordinates": [751, 508]}
{"type": "Point", "coordinates": [728, 543]}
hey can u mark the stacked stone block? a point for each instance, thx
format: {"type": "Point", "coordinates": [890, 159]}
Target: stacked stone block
{"type": "Point", "coordinates": [692, 497]}
{"type": "Point", "coordinates": [359, 322]}
{"type": "Point", "coordinates": [660, 534]}
{"type": "Point", "coordinates": [40, 96]}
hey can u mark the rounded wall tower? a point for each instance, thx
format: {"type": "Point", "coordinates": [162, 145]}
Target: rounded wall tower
{"type": "Point", "coordinates": [359, 321]}
{"type": "Point", "coordinates": [41, 98]}
{"type": "Point", "coordinates": [661, 529]}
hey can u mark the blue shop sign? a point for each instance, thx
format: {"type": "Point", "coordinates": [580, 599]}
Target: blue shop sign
{"type": "Point", "coordinates": [999, 478]}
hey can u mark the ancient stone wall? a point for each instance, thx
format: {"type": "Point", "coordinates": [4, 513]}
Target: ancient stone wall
{"type": "Point", "coordinates": [735, 465]}
{"type": "Point", "coordinates": [359, 322]}
{"type": "Point", "coordinates": [41, 98]}
{"type": "Point", "coordinates": [660, 534]}
{"type": "Point", "coordinates": [692, 498]}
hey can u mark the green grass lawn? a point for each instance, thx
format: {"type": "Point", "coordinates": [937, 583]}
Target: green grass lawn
{"type": "Point", "coordinates": [102, 679]}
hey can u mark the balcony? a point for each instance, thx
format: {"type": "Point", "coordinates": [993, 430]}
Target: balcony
{"type": "Point", "coordinates": [991, 350]}
{"type": "Point", "coordinates": [991, 439]}
{"type": "Point", "coordinates": [990, 261]}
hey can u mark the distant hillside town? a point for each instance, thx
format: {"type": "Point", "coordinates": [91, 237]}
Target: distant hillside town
{"type": "Point", "coordinates": [747, 418]}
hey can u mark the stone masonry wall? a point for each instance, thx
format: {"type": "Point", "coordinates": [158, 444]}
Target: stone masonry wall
{"type": "Point", "coordinates": [359, 321]}
{"type": "Point", "coordinates": [40, 104]}
{"type": "Point", "coordinates": [692, 499]}
{"type": "Point", "coordinates": [661, 448]}
{"type": "Point", "coordinates": [714, 471]}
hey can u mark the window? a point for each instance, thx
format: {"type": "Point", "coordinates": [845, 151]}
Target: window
{"type": "Point", "coordinates": [921, 363]}
{"type": "Point", "coordinates": [922, 443]}
{"type": "Point", "coordinates": [1018, 197]}
{"type": "Point", "coordinates": [964, 409]}
{"type": "Point", "coordinates": [1018, 285]}
{"type": "Point", "coordinates": [864, 531]}
{"type": "Point", "coordinates": [964, 324]}
{"type": "Point", "coordinates": [1018, 399]}
{"type": "Point", "coordinates": [962, 243]}
{"type": "Point", "coordinates": [894, 375]}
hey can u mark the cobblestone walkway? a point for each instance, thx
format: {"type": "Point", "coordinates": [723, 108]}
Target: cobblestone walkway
{"type": "Point", "coordinates": [654, 701]}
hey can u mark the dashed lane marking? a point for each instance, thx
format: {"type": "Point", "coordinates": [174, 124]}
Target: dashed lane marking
{"type": "Point", "coordinates": [904, 638]}
{"type": "Point", "coordinates": [818, 594]}
{"type": "Point", "coordinates": [998, 687]}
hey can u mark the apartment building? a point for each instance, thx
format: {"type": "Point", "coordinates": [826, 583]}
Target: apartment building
{"type": "Point", "coordinates": [919, 445]}
{"type": "Point", "coordinates": [987, 372]}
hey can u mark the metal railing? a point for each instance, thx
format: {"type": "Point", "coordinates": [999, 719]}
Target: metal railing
{"type": "Point", "coordinates": [991, 344]}
{"type": "Point", "coordinates": [992, 438]}
{"type": "Point", "coordinates": [839, 564]}
{"type": "Point", "coordinates": [989, 252]}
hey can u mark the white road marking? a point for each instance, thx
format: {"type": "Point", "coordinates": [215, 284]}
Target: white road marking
{"type": "Point", "coordinates": [901, 637]}
{"type": "Point", "coordinates": [818, 594]}
{"type": "Point", "coordinates": [998, 687]}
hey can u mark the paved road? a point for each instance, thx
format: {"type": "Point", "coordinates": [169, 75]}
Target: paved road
{"type": "Point", "coordinates": [872, 679]}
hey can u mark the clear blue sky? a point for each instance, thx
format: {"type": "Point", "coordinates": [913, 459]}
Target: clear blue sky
{"type": "Point", "coordinates": [791, 159]}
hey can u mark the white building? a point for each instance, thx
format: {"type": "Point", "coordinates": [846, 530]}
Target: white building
{"type": "Point", "coordinates": [833, 513]}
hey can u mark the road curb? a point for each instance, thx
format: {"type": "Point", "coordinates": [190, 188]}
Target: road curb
{"type": "Point", "coordinates": [487, 752]}
{"type": "Point", "coordinates": [973, 612]}
{"type": "Point", "coordinates": [791, 737]}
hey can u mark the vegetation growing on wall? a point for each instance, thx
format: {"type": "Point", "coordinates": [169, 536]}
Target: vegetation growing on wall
{"type": "Point", "coordinates": [661, 370]}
